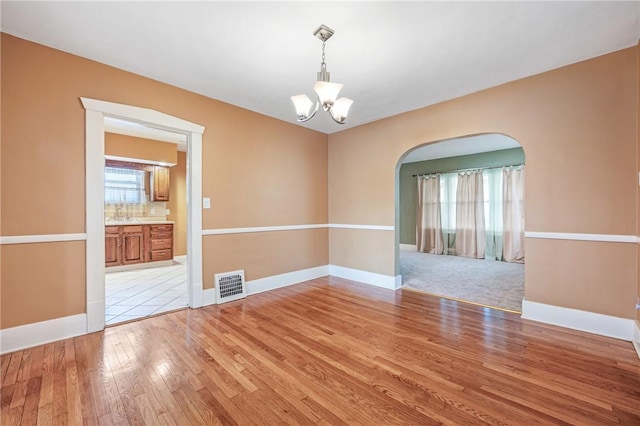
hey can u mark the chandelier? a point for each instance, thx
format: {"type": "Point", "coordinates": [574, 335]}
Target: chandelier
{"type": "Point", "coordinates": [327, 92]}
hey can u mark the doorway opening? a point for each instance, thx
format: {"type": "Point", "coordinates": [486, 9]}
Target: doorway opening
{"type": "Point", "coordinates": [145, 215]}
{"type": "Point", "coordinates": [461, 220]}
{"type": "Point", "coordinates": [96, 111]}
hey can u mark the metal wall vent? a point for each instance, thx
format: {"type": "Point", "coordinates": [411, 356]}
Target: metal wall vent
{"type": "Point", "coordinates": [230, 286]}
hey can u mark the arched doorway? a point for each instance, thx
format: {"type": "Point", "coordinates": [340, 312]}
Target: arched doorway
{"type": "Point", "coordinates": [439, 218]}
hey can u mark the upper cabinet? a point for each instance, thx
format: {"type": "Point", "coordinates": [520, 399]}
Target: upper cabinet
{"type": "Point", "coordinates": [160, 184]}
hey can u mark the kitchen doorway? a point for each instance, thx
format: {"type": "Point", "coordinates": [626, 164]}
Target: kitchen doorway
{"type": "Point", "coordinates": [145, 214]}
{"type": "Point", "coordinates": [96, 111]}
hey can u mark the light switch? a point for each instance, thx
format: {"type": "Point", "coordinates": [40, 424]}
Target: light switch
{"type": "Point", "coordinates": [206, 203]}
{"type": "Point", "coordinates": [167, 211]}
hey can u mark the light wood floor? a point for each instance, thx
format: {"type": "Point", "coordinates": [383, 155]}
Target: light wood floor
{"type": "Point", "coordinates": [328, 352]}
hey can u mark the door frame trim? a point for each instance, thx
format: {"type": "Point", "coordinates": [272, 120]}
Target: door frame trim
{"type": "Point", "coordinates": [96, 110]}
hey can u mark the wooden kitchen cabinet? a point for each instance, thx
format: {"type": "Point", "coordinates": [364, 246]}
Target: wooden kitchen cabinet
{"type": "Point", "coordinates": [124, 245]}
{"type": "Point", "coordinates": [132, 244]}
{"type": "Point", "coordinates": [160, 184]}
{"type": "Point", "coordinates": [159, 242]}
{"type": "Point", "coordinates": [112, 251]}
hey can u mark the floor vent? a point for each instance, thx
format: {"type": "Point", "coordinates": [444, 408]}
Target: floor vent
{"type": "Point", "coordinates": [230, 286]}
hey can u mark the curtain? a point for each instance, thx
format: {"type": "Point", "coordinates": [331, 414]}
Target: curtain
{"type": "Point", "coordinates": [493, 206]}
{"type": "Point", "coordinates": [123, 185]}
{"type": "Point", "coordinates": [513, 200]}
{"type": "Point", "coordinates": [428, 220]}
{"type": "Point", "coordinates": [470, 231]}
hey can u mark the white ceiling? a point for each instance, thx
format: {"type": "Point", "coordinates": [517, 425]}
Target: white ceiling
{"type": "Point", "coordinates": [392, 57]}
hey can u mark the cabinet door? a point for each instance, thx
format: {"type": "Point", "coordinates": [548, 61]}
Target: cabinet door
{"type": "Point", "coordinates": [160, 184]}
{"type": "Point", "coordinates": [112, 249]}
{"type": "Point", "coordinates": [133, 247]}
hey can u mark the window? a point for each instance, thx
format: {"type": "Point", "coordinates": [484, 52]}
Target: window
{"type": "Point", "coordinates": [448, 187]}
{"type": "Point", "coordinates": [492, 184]}
{"type": "Point", "coordinates": [123, 186]}
{"type": "Point", "coordinates": [494, 211]}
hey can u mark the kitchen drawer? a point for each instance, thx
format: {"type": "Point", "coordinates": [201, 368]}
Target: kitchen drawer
{"type": "Point", "coordinates": [160, 255]}
{"type": "Point", "coordinates": [112, 229]}
{"type": "Point", "coordinates": [137, 229]}
{"type": "Point", "coordinates": [160, 244]}
{"type": "Point", "coordinates": [161, 228]}
{"type": "Point", "coordinates": [161, 235]}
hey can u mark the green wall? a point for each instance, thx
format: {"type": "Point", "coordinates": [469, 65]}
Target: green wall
{"type": "Point", "coordinates": [408, 184]}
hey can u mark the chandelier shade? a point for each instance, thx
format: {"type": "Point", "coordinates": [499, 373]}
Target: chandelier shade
{"type": "Point", "coordinates": [326, 91]}
{"type": "Point", "coordinates": [303, 107]}
{"type": "Point", "coordinates": [340, 109]}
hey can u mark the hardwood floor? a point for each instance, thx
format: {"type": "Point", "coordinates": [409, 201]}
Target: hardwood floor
{"type": "Point", "coordinates": [329, 352]}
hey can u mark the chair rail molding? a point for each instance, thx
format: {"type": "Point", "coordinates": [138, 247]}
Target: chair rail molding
{"type": "Point", "coordinates": [606, 238]}
{"type": "Point", "coordinates": [44, 238]}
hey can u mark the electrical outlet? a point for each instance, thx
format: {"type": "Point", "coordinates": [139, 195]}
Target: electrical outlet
{"type": "Point", "coordinates": [167, 211]}
{"type": "Point", "coordinates": [152, 211]}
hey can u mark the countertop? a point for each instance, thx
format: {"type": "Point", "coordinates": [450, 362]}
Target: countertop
{"type": "Point", "coordinates": [139, 222]}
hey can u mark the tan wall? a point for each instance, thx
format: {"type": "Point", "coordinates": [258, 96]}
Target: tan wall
{"type": "Point", "coordinates": [579, 274]}
{"type": "Point", "coordinates": [273, 180]}
{"type": "Point", "coordinates": [265, 254]}
{"type": "Point", "coordinates": [140, 148]}
{"type": "Point", "coordinates": [40, 281]}
{"type": "Point", "coordinates": [258, 171]}
{"type": "Point", "coordinates": [638, 164]}
{"type": "Point", "coordinates": [577, 126]}
{"type": "Point", "coordinates": [178, 204]}
{"type": "Point", "coordinates": [347, 245]}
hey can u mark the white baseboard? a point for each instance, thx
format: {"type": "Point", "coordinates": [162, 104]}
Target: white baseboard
{"type": "Point", "coordinates": [209, 297]}
{"type": "Point", "coordinates": [276, 281]}
{"type": "Point", "coordinates": [26, 336]}
{"type": "Point", "coordinates": [409, 247]}
{"type": "Point", "coordinates": [604, 325]}
{"type": "Point", "coordinates": [371, 278]}
{"type": "Point", "coordinates": [273, 282]}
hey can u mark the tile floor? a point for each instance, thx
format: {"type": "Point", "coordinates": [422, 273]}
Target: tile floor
{"type": "Point", "coordinates": [142, 292]}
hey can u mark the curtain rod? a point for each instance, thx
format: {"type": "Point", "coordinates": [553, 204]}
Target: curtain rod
{"type": "Point", "coordinates": [466, 170]}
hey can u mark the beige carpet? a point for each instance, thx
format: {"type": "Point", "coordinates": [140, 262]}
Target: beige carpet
{"type": "Point", "coordinates": [487, 282]}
